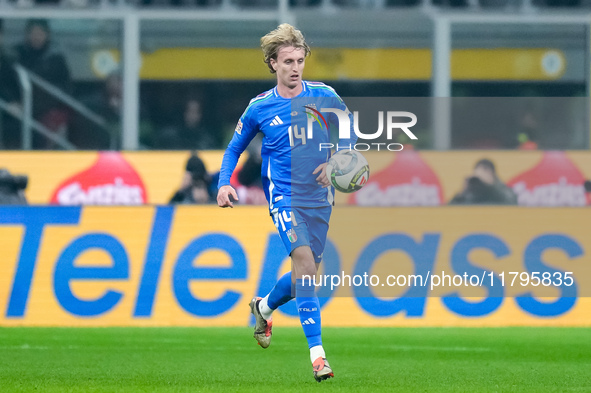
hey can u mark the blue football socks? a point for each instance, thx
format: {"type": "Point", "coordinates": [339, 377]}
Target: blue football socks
{"type": "Point", "coordinates": [309, 311]}
{"type": "Point", "coordinates": [281, 292]}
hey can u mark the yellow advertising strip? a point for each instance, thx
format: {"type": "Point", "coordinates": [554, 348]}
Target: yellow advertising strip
{"type": "Point", "coordinates": [247, 64]}
{"type": "Point", "coordinates": [507, 64]}
{"type": "Point", "coordinates": [162, 172]}
{"type": "Point", "coordinates": [199, 265]}
{"type": "Point", "coordinates": [360, 64]}
{"type": "Point", "coordinates": [203, 63]}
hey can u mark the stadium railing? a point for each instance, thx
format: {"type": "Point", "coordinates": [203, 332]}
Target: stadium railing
{"type": "Point", "coordinates": [27, 80]}
{"type": "Point", "coordinates": [131, 18]}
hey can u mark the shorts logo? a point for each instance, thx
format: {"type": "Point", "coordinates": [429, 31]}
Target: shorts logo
{"type": "Point", "coordinates": [291, 235]}
{"type": "Point", "coordinates": [239, 127]}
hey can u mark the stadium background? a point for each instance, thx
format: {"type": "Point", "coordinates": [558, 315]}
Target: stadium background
{"type": "Point", "coordinates": [364, 50]}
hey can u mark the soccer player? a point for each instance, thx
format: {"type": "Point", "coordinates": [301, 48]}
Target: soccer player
{"type": "Point", "coordinates": [295, 182]}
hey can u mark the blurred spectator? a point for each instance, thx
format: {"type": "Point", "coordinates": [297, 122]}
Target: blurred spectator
{"type": "Point", "coordinates": [189, 132]}
{"type": "Point", "coordinates": [558, 3]}
{"type": "Point", "coordinates": [587, 186]}
{"type": "Point", "coordinates": [196, 185]}
{"type": "Point", "coordinates": [304, 3]}
{"type": "Point", "coordinates": [40, 55]}
{"type": "Point", "coordinates": [528, 137]}
{"type": "Point", "coordinates": [10, 92]}
{"type": "Point", "coordinates": [179, 3]}
{"type": "Point", "coordinates": [31, 3]}
{"type": "Point", "coordinates": [12, 188]}
{"type": "Point", "coordinates": [525, 143]}
{"type": "Point", "coordinates": [402, 3]}
{"type": "Point", "coordinates": [451, 3]}
{"type": "Point", "coordinates": [484, 187]}
{"type": "Point", "coordinates": [107, 102]}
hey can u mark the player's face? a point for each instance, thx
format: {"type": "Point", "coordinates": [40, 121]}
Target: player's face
{"type": "Point", "coordinates": [289, 66]}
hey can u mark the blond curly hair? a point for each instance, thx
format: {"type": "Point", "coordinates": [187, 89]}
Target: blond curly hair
{"type": "Point", "coordinates": [284, 35]}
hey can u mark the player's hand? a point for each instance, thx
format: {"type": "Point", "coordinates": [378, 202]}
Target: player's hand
{"type": "Point", "coordinates": [224, 195]}
{"type": "Point", "coordinates": [322, 178]}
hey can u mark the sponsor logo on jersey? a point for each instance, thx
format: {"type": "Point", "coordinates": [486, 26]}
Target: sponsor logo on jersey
{"type": "Point", "coordinates": [239, 127]}
{"type": "Point", "coordinates": [276, 121]}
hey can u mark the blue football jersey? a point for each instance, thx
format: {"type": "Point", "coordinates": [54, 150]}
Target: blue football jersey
{"type": "Point", "coordinates": [296, 139]}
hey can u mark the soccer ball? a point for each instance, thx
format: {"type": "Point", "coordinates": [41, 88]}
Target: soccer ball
{"type": "Point", "coordinates": [348, 170]}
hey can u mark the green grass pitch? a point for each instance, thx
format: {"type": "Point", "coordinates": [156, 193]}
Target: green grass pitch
{"type": "Point", "coordinates": [228, 360]}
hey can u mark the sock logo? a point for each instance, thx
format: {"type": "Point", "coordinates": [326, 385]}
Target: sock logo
{"type": "Point", "coordinates": [309, 321]}
{"type": "Point", "coordinates": [308, 309]}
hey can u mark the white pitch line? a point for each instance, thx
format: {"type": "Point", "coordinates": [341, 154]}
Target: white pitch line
{"type": "Point", "coordinates": [23, 346]}
{"type": "Point", "coordinates": [435, 348]}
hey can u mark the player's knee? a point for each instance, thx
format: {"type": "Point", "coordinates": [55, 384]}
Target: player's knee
{"type": "Point", "coordinates": [303, 261]}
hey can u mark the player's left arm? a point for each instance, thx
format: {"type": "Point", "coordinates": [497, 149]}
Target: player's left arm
{"type": "Point", "coordinates": [322, 177]}
{"type": "Point", "coordinates": [335, 101]}
{"type": "Point", "coordinates": [352, 140]}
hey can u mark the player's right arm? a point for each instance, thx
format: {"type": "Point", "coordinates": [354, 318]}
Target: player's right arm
{"type": "Point", "coordinates": [246, 129]}
{"type": "Point", "coordinates": [224, 194]}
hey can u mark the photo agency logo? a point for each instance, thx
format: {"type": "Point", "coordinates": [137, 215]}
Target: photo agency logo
{"type": "Point", "coordinates": [388, 122]}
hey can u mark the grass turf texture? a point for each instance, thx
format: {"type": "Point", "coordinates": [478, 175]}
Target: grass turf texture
{"type": "Point", "coordinates": [228, 359]}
